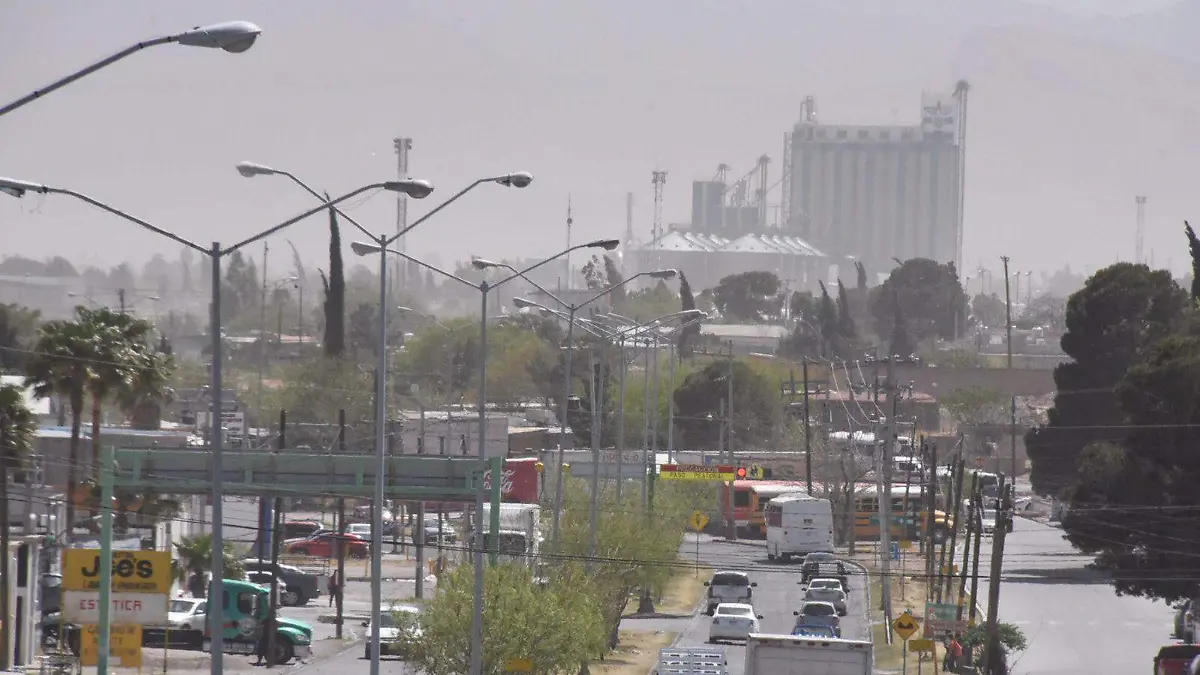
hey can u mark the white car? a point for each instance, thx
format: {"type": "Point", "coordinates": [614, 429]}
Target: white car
{"type": "Point", "coordinates": [834, 596]}
{"type": "Point", "coordinates": [359, 530]}
{"type": "Point", "coordinates": [392, 641]}
{"type": "Point", "coordinates": [989, 521]}
{"type": "Point", "coordinates": [733, 621]}
{"type": "Point", "coordinates": [187, 614]}
{"type": "Point", "coordinates": [835, 584]}
{"type": "Point", "coordinates": [818, 614]}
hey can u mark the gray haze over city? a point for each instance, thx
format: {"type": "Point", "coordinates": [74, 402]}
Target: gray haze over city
{"type": "Point", "coordinates": [1072, 114]}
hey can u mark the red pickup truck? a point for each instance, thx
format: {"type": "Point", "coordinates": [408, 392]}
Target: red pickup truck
{"type": "Point", "coordinates": [1175, 659]}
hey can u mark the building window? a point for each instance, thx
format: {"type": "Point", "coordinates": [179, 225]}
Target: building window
{"type": "Point", "coordinates": [842, 134]}
{"type": "Point", "coordinates": [863, 134]}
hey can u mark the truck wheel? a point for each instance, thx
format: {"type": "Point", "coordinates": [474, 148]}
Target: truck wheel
{"type": "Point", "coordinates": [283, 651]}
{"type": "Point", "coordinates": [770, 556]}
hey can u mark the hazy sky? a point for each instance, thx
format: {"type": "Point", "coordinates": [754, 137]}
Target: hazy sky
{"type": "Point", "coordinates": [589, 96]}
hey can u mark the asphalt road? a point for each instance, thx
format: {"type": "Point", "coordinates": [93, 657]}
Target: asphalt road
{"type": "Point", "coordinates": [1075, 624]}
{"type": "Point", "coordinates": [778, 595]}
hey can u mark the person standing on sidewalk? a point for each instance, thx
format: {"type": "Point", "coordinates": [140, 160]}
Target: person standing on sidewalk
{"type": "Point", "coordinates": [335, 584]}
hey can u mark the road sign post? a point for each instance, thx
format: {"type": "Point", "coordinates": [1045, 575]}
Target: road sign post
{"type": "Point", "coordinates": [905, 626]}
{"type": "Point", "coordinates": [698, 521]}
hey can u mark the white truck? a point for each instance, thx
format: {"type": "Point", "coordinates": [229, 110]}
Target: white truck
{"type": "Point", "coordinates": [794, 655]}
{"type": "Point", "coordinates": [797, 525]}
{"type": "Point", "coordinates": [520, 535]}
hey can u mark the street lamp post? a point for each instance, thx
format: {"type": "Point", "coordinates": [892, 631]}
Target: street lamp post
{"type": "Point", "coordinates": [381, 242]}
{"type": "Point", "coordinates": [233, 36]}
{"type": "Point", "coordinates": [484, 288]}
{"type": "Point", "coordinates": [572, 309]}
{"type": "Point", "coordinates": [215, 252]}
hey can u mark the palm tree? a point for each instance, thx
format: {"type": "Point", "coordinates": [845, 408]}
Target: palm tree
{"type": "Point", "coordinates": [62, 364]}
{"type": "Point", "coordinates": [193, 561]}
{"type": "Point", "coordinates": [17, 426]}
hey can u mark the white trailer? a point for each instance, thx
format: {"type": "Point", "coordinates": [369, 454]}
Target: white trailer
{"type": "Point", "coordinates": [797, 525]}
{"type": "Point", "coordinates": [520, 535]}
{"type": "Point", "coordinates": [794, 655]}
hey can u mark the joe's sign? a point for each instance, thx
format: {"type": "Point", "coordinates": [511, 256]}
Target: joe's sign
{"type": "Point", "coordinates": [518, 482]}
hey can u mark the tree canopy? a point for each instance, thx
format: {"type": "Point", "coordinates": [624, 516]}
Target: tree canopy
{"type": "Point", "coordinates": [930, 296]}
{"type": "Point", "coordinates": [1120, 311]}
{"type": "Point", "coordinates": [750, 297]}
{"type": "Point", "coordinates": [699, 398]}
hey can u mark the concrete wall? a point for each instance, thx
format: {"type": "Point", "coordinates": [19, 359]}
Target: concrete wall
{"type": "Point", "coordinates": [936, 381]}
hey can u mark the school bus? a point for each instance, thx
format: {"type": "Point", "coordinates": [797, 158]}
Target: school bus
{"type": "Point", "coordinates": [909, 515]}
{"type": "Point", "coordinates": [750, 497]}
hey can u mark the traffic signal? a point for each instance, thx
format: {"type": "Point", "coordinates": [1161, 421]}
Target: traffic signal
{"type": "Point", "coordinates": [741, 473]}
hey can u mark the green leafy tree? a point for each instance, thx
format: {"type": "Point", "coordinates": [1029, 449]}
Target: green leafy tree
{"type": "Point", "coordinates": [749, 296]}
{"type": "Point", "coordinates": [1194, 253]}
{"type": "Point", "coordinates": [63, 365]}
{"type": "Point", "coordinates": [930, 293]}
{"type": "Point", "coordinates": [689, 334]}
{"type": "Point", "coordinates": [17, 429]}
{"type": "Point", "coordinates": [976, 405]}
{"type": "Point", "coordinates": [18, 327]}
{"type": "Point", "coordinates": [1046, 310]}
{"type": "Point", "coordinates": [649, 303]}
{"type": "Point", "coordinates": [827, 322]}
{"type": "Point", "coordinates": [612, 278]}
{"type": "Point", "coordinates": [315, 388]}
{"type": "Point", "coordinates": [988, 310]}
{"type": "Point", "coordinates": [846, 330]}
{"type": "Point", "coordinates": [594, 275]}
{"type": "Point", "coordinates": [335, 292]}
{"type": "Point", "coordinates": [1153, 471]}
{"type": "Point", "coordinates": [193, 561]}
{"type": "Point", "coordinates": [861, 273]}
{"type": "Point", "coordinates": [698, 405]}
{"type": "Point", "coordinates": [901, 343]}
{"type": "Point", "coordinates": [1012, 640]}
{"type": "Point", "coordinates": [1121, 310]}
{"type": "Point", "coordinates": [557, 627]}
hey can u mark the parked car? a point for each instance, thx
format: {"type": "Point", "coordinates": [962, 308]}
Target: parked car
{"type": "Point", "coordinates": [360, 530]}
{"type": "Point", "coordinates": [306, 586]}
{"type": "Point", "coordinates": [395, 636]}
{"type": "Point", "coordinates": [431, 533]}
{"type": "Point", "coordinates": [324, 545]}
{"type": "Point", "coordinates": [733, 621]}
{"type": "Point", "coordinates": [989, 521]}
{"type": "Point", "coordinates": [728, 586]}
{"type": "Point", "coordinates": [187, 614]}
{"type": "Point", "coordinates": [1183, 622]}
{"type": "Point", "coordinates": [298, 529]}
{"type": "Point", "coordinates": [819, 614]}
{"type": "Point", "coordinates": [833, 596]}
{"type": "Point", "coordinates": [1175, 659]}
{"type": "Point", "coordinates": [287, 596]}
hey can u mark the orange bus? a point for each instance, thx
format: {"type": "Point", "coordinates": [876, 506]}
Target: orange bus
{"type": "Point", "coordinates": [909, 515]}
{"type": "Point", "coordinates": [750, 497]}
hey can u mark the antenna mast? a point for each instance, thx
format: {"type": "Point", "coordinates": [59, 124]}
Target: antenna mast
{"type": "Point", "coordinates": [402, 146]}
{"type": "Point", "coordinates": [659, 179]}
{"type": "Point", "coordinates": [1141, 228]}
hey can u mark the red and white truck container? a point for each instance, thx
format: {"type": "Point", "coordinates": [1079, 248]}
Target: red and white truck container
{"type": "Point", "coordinates": [796, 655]}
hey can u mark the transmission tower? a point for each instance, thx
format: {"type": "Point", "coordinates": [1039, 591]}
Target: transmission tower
{"type": "Point", "coordinates": [1141, 228]}
{"type": "Point", "coordinates": [402, 146]}
{"type": "Point", "coordinates": [659, 179]}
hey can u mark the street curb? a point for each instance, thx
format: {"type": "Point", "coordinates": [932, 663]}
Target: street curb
{"type": "Point", "coordinates": [867, 605]}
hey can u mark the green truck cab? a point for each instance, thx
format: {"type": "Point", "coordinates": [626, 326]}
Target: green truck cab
{"type": "Point", "coordinates": [245, 610]}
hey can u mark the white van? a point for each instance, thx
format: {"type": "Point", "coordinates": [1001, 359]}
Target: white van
{"type": "Point", "coordinates": [798, 524]}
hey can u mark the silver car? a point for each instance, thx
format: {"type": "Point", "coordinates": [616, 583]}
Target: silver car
{"type": "Point", "coordinates": [834, 596]}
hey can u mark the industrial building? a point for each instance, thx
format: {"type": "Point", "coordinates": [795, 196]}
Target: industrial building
{"type": "Point", "coordinates": [874, 194]}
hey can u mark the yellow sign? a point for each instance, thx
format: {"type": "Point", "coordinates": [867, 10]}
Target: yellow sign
{"type": "Point", "coordinates": [906, 625]}
{"type": "Point", "coordinates": [905, 545]}
{"type": "Point", "coordinates": [519, 666]}
{"type": "Point", "coordinates": [754, 471]}
{"type": "Point", "coordinates": [922, 645]}
{"type": "Point", "coordinates": [697, 472]}
{"type": "Point", "coordinates": [124, 643]}
{"type": "Point", "coordinates": [698, 521]}
{"type": "Point", "coordinates": [133, 571]}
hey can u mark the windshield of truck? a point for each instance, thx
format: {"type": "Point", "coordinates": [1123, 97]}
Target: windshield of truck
{"type": "Point", "coordinates": [510, 543]}
{"type": "Point", "coordinates": [729, 579]}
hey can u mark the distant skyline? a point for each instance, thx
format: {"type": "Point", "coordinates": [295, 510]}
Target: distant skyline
{"type": "Point", "coordinates": [590, 97]}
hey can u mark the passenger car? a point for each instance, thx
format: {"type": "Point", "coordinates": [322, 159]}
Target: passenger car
{"type": "Point", "coordinates": [187, 614]}
{"type": "Point", "coordinates": [811, 631]}
{"type": "Point", "coordinates": [819, 614]}
{"type": "Point", "coordinates": [726, 586]}
{"type": "Point", "coordinates": [398, 628]}
{"type": "Point", "coordinates": [323, 545]}
{"type": "Point", "coordinates": [833, 596]}
{"type": "Point", "coordinates": [829, 583]}
{"type": "Point", "coordinates": [304, 585]}
{"type": "Point", "coordinates": [733, 621]}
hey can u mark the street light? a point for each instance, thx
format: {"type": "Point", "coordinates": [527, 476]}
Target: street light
{"type": "Point", "coordinates": [417, 189]}
{"type": "Point", "coordinates": [571, 310]}
{"type": "Point", "coordinates": [362, 249]}
{"type": "Point", "coordinates": [18, 188]}
{"type": "Point", "coordinates": [232, 36]}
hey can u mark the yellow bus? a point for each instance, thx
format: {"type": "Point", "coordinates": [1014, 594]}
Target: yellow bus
{"type": "Point", "coordinates": [909, 515]}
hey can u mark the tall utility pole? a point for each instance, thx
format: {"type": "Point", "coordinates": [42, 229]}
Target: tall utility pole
{"type": "Point", "coordinates": [1007, 310]}
{"type": "Point", "coordinates": [729, 432]}
{"type": "Point", "coordinates": [658, 179]}
{"type": "Point", "coordinates": [885, 492]}
{"type": "Point", "coordinates": [628, 220]}
{"type": "Point", "coordinates": [992, 658]}
{"type": "Point", "coordinates": [567, 259]}
{"type": "Point", "coordinates": [807, 431]}
{"type": "Point", "coordinates": [1141, 228]}
{"type": "Point", "coordinates": [966, 558]}
{"type": "Point", "coordinates": [402, 146]}
{"type": "Point", "coordinates": [977, 544]}
{"type": "Point", "coordinates": [961, 91]}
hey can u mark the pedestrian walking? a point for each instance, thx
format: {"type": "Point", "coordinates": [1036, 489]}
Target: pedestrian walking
{"type": "Point", "coordinates": [335, 585]}
{"type": "Point", "coordinates": [261, 649]}
{"type": "Point", "coordinates": [954, 652]}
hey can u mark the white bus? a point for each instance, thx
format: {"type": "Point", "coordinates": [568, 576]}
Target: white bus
{"type": "Point", "coordinates": [798, 524]}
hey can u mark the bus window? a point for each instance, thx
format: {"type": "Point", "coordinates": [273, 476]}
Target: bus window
{"type": "Point", "coordinates": [741, 498]}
